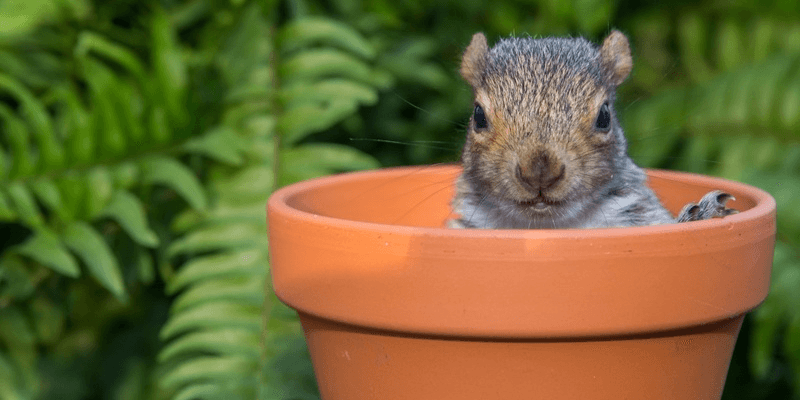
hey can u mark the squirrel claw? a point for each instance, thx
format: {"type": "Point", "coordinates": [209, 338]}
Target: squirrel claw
{"type": "Point", "coordinates": [712, 205]}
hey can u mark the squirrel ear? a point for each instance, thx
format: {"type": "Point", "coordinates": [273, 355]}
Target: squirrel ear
{"type": "Point", "coordinates": [616, 56]}
{"type": "Point", "coordinates": [474, 59]}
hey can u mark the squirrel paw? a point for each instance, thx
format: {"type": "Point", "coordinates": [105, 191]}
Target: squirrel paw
{"type": "Point", "coordinates": [712, 205]}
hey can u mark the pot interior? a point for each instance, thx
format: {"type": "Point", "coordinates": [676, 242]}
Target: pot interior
{"type": "Point", "coordinates": [420, 196]}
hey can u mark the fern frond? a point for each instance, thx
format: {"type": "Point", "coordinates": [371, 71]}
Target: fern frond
{"type": "Point", "coordinates": [17, 338]}
{"type": "Point", "coordinates": [84, 154]}
{"type": "Point", "coordinates": [89, 245]}
{"type": "Point", "coordinates": [218, 313]}
{"type": "Point", "coordinates": [128, 211]}
{"type": "Point", "coordinates": [221, 144]}
{"type": "Point", "coordinates": [174, 175]}
{"type": "Point", "coordinates": [45, 248]}
{"type": "Point", "coordinates": [722, 108]}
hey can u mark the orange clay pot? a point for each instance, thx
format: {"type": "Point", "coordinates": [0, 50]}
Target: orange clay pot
{"type": "Point", "coordinates": [395, 307]}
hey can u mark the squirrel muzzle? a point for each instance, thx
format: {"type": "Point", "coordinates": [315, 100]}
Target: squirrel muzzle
{"type": "Point", "coordinates": [541, 173]}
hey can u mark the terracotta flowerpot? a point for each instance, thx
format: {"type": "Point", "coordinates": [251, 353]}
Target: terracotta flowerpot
{"type": "Point", "coordinates": [395, 307]}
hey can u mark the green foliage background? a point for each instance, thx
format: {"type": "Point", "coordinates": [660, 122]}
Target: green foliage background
{"type": "Point", "coordinates": [139, 141]}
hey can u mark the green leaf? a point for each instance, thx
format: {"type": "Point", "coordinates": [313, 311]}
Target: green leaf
{"type": "Point", "coordinates": [159, 126]}
{"type": "Point", "coordinates": [697, 154]}
{"type": "Point", "coordinates": [299, 122]}
{"type": "Point", "coordinates": [45, 248]}
{"type": "Point", "coordinates": [771, 76]}
{"type": "Point", "coordinates": [79, 134]}
{"type": "Point", "coordinates": [51, 153]}
{"type": "Point", "coordinates": [18, 66]}
{"type": "Point", "coordinates": [730, 44]}
{"type": "Point", "coordinates": [20, 341]}
{"type": "Point", "coordinates": [7, 213]}
{"type": "Point", "coordinates": [20, 17]}
{"type": "Point", "coordinates": [72, 187]}
{"type": "Point", "coordinates": [176, 176]}
{"type": "Point", "coordinates": [329, 90]}
{"type": "Point", "coordinates": [332, 157]}
{"type": "Point", "coordinates": [186, 220]}
{"type": "Point", "coordinates": [244, 56]}
{"type": "Point", "coordinates": [693, 38]}
{"type": "Point", "coordinates": [288, 368]}
{"type": "Point", "coordinates": [214, 315]}
{"type": "Point", "coordinates": [593, 15]}
{"type": "Point", "coordinates": [792, 346]}
{"type": "Point", "coordinates": [104, 86]}
{"type": "Point", "coordinates": [219, 237]}
{"type": "Point", "coordinates": [651, 131]}
{"type": "Point", "coordinates": [220, 143]}
{"type": "Point", "coordinates": [170, 71]}
{"type": "Point", "coordinates": [90, 42]}
{"type": "Point", "coordinates": [768, 318]}
{"type": "Point", "coordinates": [786, 280]}
{"type": "Point", "coordinates": [100, 188]}
{"type": "Point", "coordinates": [47, 319]}
{"type": "Point", "coordinates": [9, 380]}
{"type": "Point", "coordinates": [14, 329]}
{"type": "Point", "coordinates": [320, 63]}
{"type": "Point", "coordinates": [18, 283]}
{"type": "Point", "coordinates": [5, 164]}
{"type": "Point", "coordinates": [128, 211]}
{"type": "Point", "coordinates": [78, 9]}
{"type": "Point", "coordinates": [95, 253]}
{"type": "Point", "coordinates": [126, 174]}
{"type": "Point", "coordinates": [201, 391]}
{"type": "Point", "coordinates": [247, 185]}
{"type": "Point", "coordinates": [48, 194]}
{"type": "Point", "coordinates": [788, 109]}
{"type": "Point", "coordinates": [241, 263]}
{"type": "Point", "coordinates": [229, 342]}
{"type": "Point", "coordinates": [245, 290]}
{"type": "Point", "coordinates": [129, 107]}
{"type": "Point", "coordinates": [18, 138]}
{"type": "Point", "coordinates": [412, 65]}
{"type": "Point", "coordinates": [24, 204]}
{"type": "Point", "coordinates": [306, 31]}
{"type": "Point", "coordinates": [222, 213]}
{"type": "Point", "coordinates": [772, 316]}
{"type": "Point", "coordinates": [144, 266]}
{"type": "Point", "coordinates": [209, 368]}
{"type": "Point", "coordinates": [763, 31]}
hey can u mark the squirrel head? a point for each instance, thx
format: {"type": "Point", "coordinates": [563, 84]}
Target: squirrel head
{"type": "Point", "coordinates": [544, 136]}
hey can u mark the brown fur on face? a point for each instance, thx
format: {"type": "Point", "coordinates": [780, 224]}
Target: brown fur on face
{"type": "Point", "coordinates": [541, 151]}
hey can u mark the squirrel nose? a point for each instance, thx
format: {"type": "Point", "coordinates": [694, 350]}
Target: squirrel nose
{"type": "Point", "coordinates": [543, 172]}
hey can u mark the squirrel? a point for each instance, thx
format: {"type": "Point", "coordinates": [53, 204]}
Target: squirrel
{"type": "Point", "coordinates": [544, 148]}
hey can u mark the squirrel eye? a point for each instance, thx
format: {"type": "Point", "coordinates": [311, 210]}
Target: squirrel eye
{"type": "Point", "coordinates": [603, 122]}
{"type": "Point", "coordinates": [480, 118]}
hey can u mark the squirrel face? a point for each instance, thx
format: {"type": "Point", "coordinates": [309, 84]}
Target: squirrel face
{"type": "Point", "coordinates": [543, 136]}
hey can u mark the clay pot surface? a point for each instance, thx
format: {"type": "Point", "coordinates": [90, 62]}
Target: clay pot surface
{"type": "Point", "coordinates": [396, 307]}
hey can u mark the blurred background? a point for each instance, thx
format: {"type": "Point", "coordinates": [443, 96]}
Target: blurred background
{"type": "Point", "coordinates": [139, 141]}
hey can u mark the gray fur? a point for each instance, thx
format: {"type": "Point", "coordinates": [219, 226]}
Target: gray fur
{"type": "Point", "coordinates": [541, 87]}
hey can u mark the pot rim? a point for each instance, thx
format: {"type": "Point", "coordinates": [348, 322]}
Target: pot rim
{"type": "Point", "coordinates": [279, 203]}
